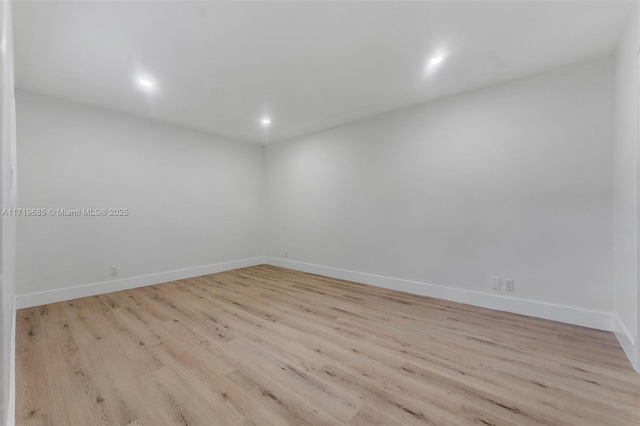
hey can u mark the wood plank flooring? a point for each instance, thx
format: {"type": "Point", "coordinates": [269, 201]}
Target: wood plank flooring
{"type": "Point", "coordinates": [265, 345]}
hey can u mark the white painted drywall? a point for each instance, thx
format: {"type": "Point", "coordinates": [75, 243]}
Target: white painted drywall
{"type": "Point", "coordinates": [194, 199]}
{"type": "Point", "coordinates": [7, 200]}
{"type": "Point", "coordinates": [512, 181]}
{"type": "Point", "coordinates": [625, 187]}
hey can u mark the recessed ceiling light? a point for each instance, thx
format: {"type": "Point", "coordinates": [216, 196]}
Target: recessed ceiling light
{"type": "Point", "coordinates": [436, 60]}
{"type": "Point", "coordinates": [146, 83]}
{"type": "Point", "coordinates": [265, 121]}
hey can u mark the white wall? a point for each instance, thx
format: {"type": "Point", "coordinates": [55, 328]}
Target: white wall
{"type": "Point", "coordinates": [512, 181]}
{"type": "Point", "coordinates": [195, 200]}
{"type": "Point", "coordinates": [7, 200]}
{"type": "Point", "coordinates": [625, 188]}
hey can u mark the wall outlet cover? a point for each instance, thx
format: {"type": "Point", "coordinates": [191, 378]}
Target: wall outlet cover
{"type": "Point", "coordinates": [496, 283]}
{"type": "Point", "coordinates": [508, 285]}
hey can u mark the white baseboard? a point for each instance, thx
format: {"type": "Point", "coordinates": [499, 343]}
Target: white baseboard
{"type": "Point", "coordinates": [69, 293]}
{"type": "Point", "coordinates": [627, 341]}
{"type": "Point", "coordinates": [566, 314]}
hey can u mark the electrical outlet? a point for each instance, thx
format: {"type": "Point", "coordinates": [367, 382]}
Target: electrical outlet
{"type": "Point", "coordinates": [496, 283]}
{"type": "Point", "coordinates": [508, 285]}
{"type": "Point", "coordinates": [286, 254]}
{"type": "Point", "coordinates": [113, 270]}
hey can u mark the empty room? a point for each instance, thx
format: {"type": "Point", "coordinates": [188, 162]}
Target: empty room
{"type": "Point", "coordinates": [320, 213]}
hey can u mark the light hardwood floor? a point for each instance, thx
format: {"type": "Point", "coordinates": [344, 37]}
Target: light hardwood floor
{"type": "Point", "coordinates": [266, 345]}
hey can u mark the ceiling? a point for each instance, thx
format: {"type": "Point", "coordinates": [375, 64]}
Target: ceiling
{"type": "Point", "coordinates": [222, 66]}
